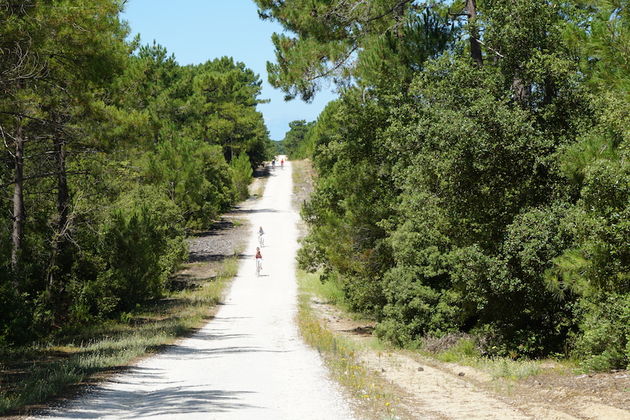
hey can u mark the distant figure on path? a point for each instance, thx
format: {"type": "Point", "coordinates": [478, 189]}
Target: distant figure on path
{"type": "Point", "coordinates": [258, 261]}
{"type": "Point", "coordinates": [261, 238]}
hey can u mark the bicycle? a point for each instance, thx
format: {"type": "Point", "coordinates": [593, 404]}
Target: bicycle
{"type": "Point", "coordinates": [261, 240]}
{"type": "Point", "coordinates": [258, 262]}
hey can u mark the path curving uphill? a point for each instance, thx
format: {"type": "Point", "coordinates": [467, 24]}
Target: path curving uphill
{"type": "Point", "coordinates": [249, 361]}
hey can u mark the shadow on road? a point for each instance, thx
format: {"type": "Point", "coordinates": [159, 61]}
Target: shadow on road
{"type": "Point", "coordinates": [169, 401]}
{"type": "Point", "coordinates": [254, 211]}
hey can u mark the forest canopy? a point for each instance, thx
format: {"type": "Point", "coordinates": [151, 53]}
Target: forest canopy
{"type": "Point", "coordinates": [111, 152]}
{"type": "Point", "coordinates": [473, 176]}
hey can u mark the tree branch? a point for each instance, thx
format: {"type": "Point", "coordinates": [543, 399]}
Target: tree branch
{"type": "Point", "coordinates": [45, 175]}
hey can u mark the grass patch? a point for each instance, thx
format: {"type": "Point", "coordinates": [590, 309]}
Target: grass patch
{"type": "Point", "coordinates": [511, 369]}
{"type": "Point", "coordinates": [462, 350]}
{"type": "Point", "coordinates": [303, 176]}
{"type": "Point", "coordinates": [36, 374]}
{"type": "Point", "coordinates": [339, 353]}
{"type": "Point", "coordinates": [258, 188]}
{"type": "Point", "coordinates": [465, 352]}
{"type": "Point", "coordinates": [329, 291]}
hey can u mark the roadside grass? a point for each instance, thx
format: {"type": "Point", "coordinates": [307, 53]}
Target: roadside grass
{"type": "Point", "coordinates": [328, 291]}
{"type": "Point", "coordinates": [465, 353]}
{"type": "Point", "coordinates": [303, 176]}
{"type": "Point", "coordinates": [339, 354]}
{"type": "Point", "coordinates": [257, 187]}
{"type": "Point", "coordinates": [302, 173]}
{"type": "Point", "coordinates": [34, 375]}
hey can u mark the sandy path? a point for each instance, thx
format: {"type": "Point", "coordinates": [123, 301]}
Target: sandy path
{"type": "Point", "coordinates": [429, 389]}
{"type": "Point", "coordinates": [249, 362]}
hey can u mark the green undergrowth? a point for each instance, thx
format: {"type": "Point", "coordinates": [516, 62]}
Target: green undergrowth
{"type": "Point", "coordinates": [464, 352]}
{"type": "Point", "coordinates": [329, 291]}
{"type": "Point", "coordinates": [30, 376]}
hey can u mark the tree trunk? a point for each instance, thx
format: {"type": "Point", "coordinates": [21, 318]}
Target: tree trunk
{"type": "Point", "coordinates": [19, 214]}
{"type": "Point", "coordinates": [522, 92]}
{"type": "Point", "coordinates": [475, 45]}
{"type": "Point", "coordinates": [59, 259]}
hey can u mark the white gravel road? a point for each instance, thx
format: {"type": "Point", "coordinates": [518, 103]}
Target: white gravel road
{"type": "Point", "coordinates": [247, 363]}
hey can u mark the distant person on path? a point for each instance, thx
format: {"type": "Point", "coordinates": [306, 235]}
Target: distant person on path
{"type": "Point", "coordinates": [258, 261]}
{"type": "Point", "coordinates": [282, 163]}
{"type": "Point", "coordinates": [273, 163]}
{"type": "Point", "coordinates": [261, 238]}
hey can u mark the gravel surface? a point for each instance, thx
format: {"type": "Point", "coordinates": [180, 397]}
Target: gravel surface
{"type": "Point", "coordinates": [249, 362]}
{"type": "Point", "coordinates": [222, 240]}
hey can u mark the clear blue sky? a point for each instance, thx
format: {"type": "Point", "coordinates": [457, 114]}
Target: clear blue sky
{"type": "Point", "coordinates": [200, 30]}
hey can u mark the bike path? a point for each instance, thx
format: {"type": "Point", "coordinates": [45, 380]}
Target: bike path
{"type": "Point", "coordinates": [249, 362]}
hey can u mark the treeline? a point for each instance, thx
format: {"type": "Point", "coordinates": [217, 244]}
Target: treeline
{"type": "Point", "coordinates": [473, 176]}
{"type": "Point", "coordinates": [299, 140]}
{"type": "Point", "coordinates": [111, 152]}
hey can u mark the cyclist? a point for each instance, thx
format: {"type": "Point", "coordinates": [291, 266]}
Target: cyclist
{"type": "Point", "coordinates": [261, 238]}
{"type": "Point", "coordinates": [258, 261]}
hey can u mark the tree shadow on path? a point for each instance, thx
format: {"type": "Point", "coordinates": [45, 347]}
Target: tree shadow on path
{"type": "Point", "coordinates": [169, 401]}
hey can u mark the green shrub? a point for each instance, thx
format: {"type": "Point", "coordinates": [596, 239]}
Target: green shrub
{"type": "Point", "coordinates": [195, 176]}
{"type": "Point", "coordinates": [16, 314]}
{"type": "Point", "coordinates": [140, 244]}
{"type": "Point", "coordinates": [604, 339]}
{"type": "Point", "coordinates": [415, 309]}
{"type": "Point", "coordinates": [241, 170]}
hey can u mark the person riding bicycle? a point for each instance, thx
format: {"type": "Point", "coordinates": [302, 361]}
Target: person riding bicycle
{"type": "Point", "coordinates": [258, 260]}
{"type": "Point", "coordinates": [261, 238]}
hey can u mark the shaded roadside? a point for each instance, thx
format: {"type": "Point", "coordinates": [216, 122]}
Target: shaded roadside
{"type": "Point", "coordinates": [34, 377]}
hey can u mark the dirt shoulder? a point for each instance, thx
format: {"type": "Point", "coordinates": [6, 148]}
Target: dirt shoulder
{"type": "Point", "coordinates": [434, 389]}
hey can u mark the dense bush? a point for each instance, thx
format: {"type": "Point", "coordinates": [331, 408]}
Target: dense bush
{"type": "Point", "coordinates": [139, 244]}
{"type": "Point", "coordinates": [241, 175]}
{"type": "Point", "coordinates": [195, 176]}
{"type": "Point", "coordinates": [603, 342]}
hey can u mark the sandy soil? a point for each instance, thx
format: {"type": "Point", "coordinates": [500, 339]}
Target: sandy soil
{"type": "Point", "coordinates": [249, 362]}
{"type": "Point", "coordinates": [435, 390]}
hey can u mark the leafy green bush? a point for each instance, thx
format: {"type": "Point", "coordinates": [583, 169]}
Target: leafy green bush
{"type": "Point", "coordinates": [195, 176]}
{"type": "Point", "coordinates": [415, 309]}
{"type": "Point", "coordinates": [241, 175]}
{"type": "Point", "coordinates": [140, 243]}
{"type": "Point", "coordinates": [604, 339]}
{"type": "Point", "coordinates": [16, 315]}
